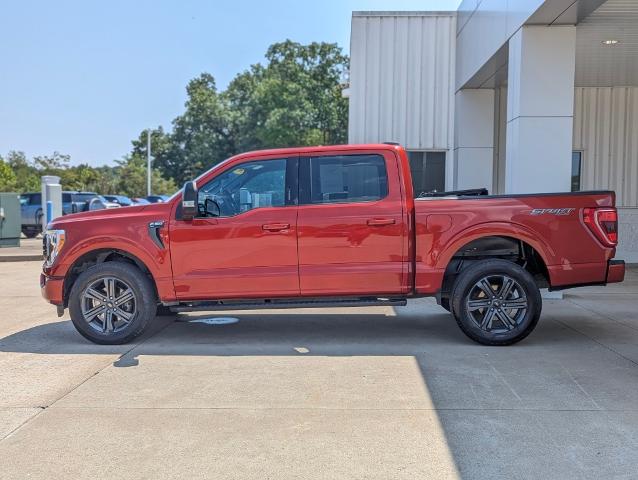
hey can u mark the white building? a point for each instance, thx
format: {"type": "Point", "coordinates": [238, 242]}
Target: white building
{"type": "Point", "coordinates": [524, 96]}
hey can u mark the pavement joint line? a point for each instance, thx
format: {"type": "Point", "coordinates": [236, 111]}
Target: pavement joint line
{"type": "Point", "coordinates": [633, 362]}
{"type": "Point", "coordinates": [602, 314]}
{"type": "Point", "coordinates": [46, 407]}
{"type": "Point", "coordinates": [26, 420]}
{"type": "Point", "coordinates": [344, 409]}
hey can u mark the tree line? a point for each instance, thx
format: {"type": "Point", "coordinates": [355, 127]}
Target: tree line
{"type": "Point", "coordinates": [293, 99]}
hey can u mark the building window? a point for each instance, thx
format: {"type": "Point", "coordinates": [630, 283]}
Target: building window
{"type": "Point", "coordinates": [577, 168]}
{"type": "Point", "coordinates": [428, 171]}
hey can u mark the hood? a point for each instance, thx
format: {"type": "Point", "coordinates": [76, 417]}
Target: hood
{"type": "Point", "coordinates": [111, 213]}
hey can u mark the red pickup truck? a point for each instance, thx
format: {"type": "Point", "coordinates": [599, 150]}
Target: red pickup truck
{"type": "Point", "coordinates": [332, 226]}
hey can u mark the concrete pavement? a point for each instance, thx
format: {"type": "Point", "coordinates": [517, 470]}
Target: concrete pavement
{"type": "Point", "coordinates": [30, 249]}
{"type": "Point", "coordinates": [353, 393]}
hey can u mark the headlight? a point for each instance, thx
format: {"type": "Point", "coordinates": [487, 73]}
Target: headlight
{"type": "Point", "coordinates": [52, 243]}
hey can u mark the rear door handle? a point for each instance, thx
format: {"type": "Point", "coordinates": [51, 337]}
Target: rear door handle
{"type": "Point", "coordinates": [275, 227]}
{"type": "Point", "coordinates": [380, 222]}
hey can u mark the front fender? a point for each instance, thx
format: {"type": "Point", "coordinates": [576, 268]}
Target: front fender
{"type": "Point", "coordinates": [139, 247]}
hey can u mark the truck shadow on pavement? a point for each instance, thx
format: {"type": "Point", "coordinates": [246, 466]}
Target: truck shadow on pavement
{"type": "Point", "coordinates": [289, 333]}
{"type": "Point", "coordinates": [520, 401]}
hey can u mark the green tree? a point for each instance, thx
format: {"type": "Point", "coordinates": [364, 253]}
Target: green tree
{"type": "Point", "coordinates": [160, 147]}
{"type": "Point", "coordinates": [82, 177]}
{"type": "Point", "coordinates": [52, 164]}
{"type": "Point", "coordinates": [27, 177]}
{"type": "Point", "coordinates": [8, 179]}
{"type": "Point", "coordinates": [132, 175]}
{"type": "Point", "coordinates": [294, 99]}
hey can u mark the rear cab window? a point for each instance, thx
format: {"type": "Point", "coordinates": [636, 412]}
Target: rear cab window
{"type": "Point", "coordinates": [344, 179]}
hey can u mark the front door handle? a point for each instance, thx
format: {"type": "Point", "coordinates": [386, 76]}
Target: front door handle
{"type": "Point", "coordinates": [380, 222]}
{"type": "Point", "coordinates": [275, 227]}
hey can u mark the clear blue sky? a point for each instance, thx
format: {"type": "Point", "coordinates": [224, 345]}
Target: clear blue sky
{"type": "Point", "coordinates": [85, 77]}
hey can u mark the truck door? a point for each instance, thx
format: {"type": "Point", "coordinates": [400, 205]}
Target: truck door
{"type": "Point", "coordinates": [352, 229]}
{"type": "Point", "coordinates": [247, 247]}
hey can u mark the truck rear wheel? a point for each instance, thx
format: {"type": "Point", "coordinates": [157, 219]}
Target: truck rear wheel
{"type": "Point", "coordinates": [112, 303]}
{"type": "Point", "coordinates": [496, 302]}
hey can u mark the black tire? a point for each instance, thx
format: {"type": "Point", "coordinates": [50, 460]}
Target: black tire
{"type": "Point", "coordinates": [30, 233]}
{"type": "Point", "coordinates": [445, 303]}
{"type": "Point", "coordinates": [489, 324]}
{"type": "Point", "coordinates": [142, 313]}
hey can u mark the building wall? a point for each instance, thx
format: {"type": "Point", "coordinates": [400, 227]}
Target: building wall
{"type": "Point", "coordinates": [483, 27]}
{"type": "Point", "coordinates": [500, 138]}
{"type": "Point", "coordinates": [606, 131]}
{"type": "Point", "coordinates": [402, 79]}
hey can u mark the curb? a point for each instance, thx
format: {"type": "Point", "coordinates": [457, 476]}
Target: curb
{"type": "Point", "coordinates": [20, 258]}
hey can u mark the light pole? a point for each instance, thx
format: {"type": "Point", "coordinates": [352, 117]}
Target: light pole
{"type": "Point", "coordinates": [148, 162]}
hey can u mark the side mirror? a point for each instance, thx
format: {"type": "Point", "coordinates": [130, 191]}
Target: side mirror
{"type": "Point", "coordinates": [189, 201]}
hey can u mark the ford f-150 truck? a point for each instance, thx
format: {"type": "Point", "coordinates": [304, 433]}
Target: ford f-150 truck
{"type": "Point", "coordinates": [327, 227]}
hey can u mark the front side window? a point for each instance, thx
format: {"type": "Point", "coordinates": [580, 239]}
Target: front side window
{"type": "Point", "coordinates": [244, 187]}
{"type": "Point", "coordinates": [348, 178]}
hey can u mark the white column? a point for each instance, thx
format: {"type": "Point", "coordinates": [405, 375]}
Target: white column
{"type": "Point", "coordinates": [540, 109]}
{"type": "Point", "coordinates": [474, 138]}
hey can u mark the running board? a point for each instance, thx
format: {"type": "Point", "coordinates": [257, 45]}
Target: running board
{"type": "Point", "coordinates": [277, 303]}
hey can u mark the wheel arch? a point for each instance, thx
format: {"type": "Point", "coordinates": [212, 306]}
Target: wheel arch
{"type": "Point", "coordinates": [98, 256]}
{"type": "Point", "coordinates": [509, 246]}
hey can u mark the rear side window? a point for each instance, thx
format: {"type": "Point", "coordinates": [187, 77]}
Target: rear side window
{"type": "Point", "coordinates": [348, 178]}
{"type": "Point", "coordinates": [36, 199]}
{"type": "Point", "coordinates": [66, 198]}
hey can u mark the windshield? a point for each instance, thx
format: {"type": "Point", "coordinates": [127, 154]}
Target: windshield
{"type": "Point", "coordinates": [216, 167]}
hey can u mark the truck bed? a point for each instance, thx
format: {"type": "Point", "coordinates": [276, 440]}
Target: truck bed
{"type": "Point", "coordinates": [552, 224]}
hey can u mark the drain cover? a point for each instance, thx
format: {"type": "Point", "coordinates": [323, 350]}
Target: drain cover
{"type": "Point", "coordinates": [215, 320]}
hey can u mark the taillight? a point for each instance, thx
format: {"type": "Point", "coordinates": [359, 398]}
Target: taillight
{"type": "Point", "coordinates": [603, 223]}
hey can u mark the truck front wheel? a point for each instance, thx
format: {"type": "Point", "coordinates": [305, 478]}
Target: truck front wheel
{"type": "Point", "coordinates": [496, 302]}
{"type": "Point", "coordinates": [112, 303]}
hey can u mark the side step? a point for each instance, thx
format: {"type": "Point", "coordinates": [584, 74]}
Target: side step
{"type": "Point", "coordinates": [276, 303]}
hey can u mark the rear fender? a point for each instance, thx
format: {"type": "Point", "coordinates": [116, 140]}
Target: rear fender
{"type": "Point", "coordinates": [430, 270]}
{"type": "Point", "coordinates": [495, 229]}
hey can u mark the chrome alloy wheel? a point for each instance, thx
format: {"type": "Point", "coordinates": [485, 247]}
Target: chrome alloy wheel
{"type": "Point", "coordinates": [497, 303]}
{"type": "Point", "coordinates": [108, 305]}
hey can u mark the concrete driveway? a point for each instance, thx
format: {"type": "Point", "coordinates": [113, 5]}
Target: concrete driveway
{"type": "Point", "coordinates": [360, 393]}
